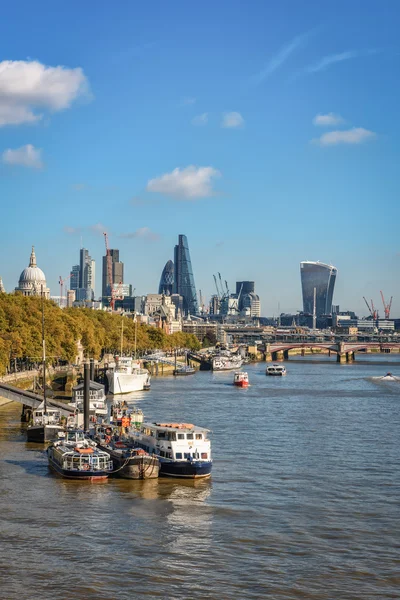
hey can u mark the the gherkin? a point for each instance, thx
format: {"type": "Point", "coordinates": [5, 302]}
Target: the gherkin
{"type": "Point", "coordinates": [167, 279]}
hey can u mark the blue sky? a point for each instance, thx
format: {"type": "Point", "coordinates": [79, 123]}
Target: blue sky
{"type": "Point", "coordinates": [267, 132]}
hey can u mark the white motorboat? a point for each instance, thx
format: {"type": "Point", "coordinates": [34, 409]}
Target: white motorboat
{"type": "Point", "coordinates": [127, 376]}
{"type": "Point", "coordinates": [277, 370]}
{"type": "Point", "coordinates": [241, 379]}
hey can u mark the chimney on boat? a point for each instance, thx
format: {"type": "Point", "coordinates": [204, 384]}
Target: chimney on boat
{"type": "Point", "coordinates": [86, 395]}
{"type": "Point", "coordinates": [92, 369]}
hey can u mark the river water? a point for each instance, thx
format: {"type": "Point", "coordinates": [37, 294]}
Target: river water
{"type": "Point", "coordinates": [303, 502]}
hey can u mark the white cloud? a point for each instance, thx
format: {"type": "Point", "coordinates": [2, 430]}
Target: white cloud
{"type": "Point", "coordinates": [328, 120]}
{"type": "Point", "coordinates": [26, 86]}
{"type": "Point", "coordinates": [232, 120]}
{"type": "Point", "coordinates": [143, 232]}
{"type": "Point", "coordinates": [200, 119]}
{"type": "Point", "coordinates": [26, 156]}
{"type": "Point", "coordinates": [71, 230]}
{"type": "Point", "coordinates": [356, 135]}
{"type": "Point", "coordinates": [278, 59]}
{"type": "Point", "coordinates": [185, 184]}
{"type": "Point", "coordinates": [327, 61]}
{"type": "Point", "coordinates": [99, 228]}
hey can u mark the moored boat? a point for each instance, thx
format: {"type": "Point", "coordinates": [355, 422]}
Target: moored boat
{"type": "Point", "coordinates": [75, 457]}
{"type": "Point", "coordinates": [276, 370]}
{"type": "Point", "coordinates": [127, 376]}
{"type": "Point", "coordinates": [182, 371]}
{"type": "Point", "coordinates": [183, 449]}
{"type": "Point", "coordinates": [45, 425]}
{"type": "Point", "coordinates": [129, 462]}
{"type": "Point", "coordinates": [226, 362]}
{"type": "Point", "coordinates": [241, 379]}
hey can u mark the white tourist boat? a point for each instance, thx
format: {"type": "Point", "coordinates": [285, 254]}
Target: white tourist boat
{"type": "Point", "coordinates": [225, 361]}
{"type": "Point", "coordinates": [276, 370]}
{"type": "Point", "coordinates": [183, 449]}
{"type": "Point", "coordinates": [127, 376]}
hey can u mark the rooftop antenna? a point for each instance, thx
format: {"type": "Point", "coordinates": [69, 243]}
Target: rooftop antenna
{"type": "Point", "coordinates": [314, 316]}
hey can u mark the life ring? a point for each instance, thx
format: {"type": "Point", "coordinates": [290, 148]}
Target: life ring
{"type": "Point", "coordinates": [86, 467]}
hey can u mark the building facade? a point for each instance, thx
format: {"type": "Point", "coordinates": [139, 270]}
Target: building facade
{"type": "Point", "coordinates": [321, 277]}
{"type": "Point", "coordinates": [183, 277]}
{"type": "Point", "coordinates": [32, 281]}
{"type": "Point", "coordinates": [167, 279]}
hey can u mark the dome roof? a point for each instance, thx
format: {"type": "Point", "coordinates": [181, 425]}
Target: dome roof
{"type": "Point", "coordinates": [32, 274]}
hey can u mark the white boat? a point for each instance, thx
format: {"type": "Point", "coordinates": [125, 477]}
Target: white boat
{"type": "Point", "coordinates": [277, 370]}
{"type": "Point", "coordinates": [97, 398]}
{"type": "Point", "coordinates": [76, 457]}
{"type": "Point", "coordinates": [127, 376]}
{"type": "Point", "coordinates": [226, 362]}
{"type": "Point", "coordinates": [45, 425]}
{"type": "Point", "coordinates": [183, 449]}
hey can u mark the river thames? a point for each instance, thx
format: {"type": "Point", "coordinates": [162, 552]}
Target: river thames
{"type": "Point", "coordinates": [303, 502]}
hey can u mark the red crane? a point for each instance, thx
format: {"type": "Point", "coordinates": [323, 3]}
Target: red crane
{"type": "Point", "coordinates": [386, 307]}
{"type": "Point", "coordinates": [61, 282]}
{"type": "Point", "coordinates": [373, 312]}
{"type": "Point", "coordinates": [114, 293]}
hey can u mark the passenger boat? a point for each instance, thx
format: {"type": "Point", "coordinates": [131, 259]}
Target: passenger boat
{"type": "Point", "coordinates": [183, 449]}
{"type": "Point", "coordinates": [97, 398]}
{"type": "Point", "coordinates": [226, 362]}
{"type": "Point", "coordinates": [277, 370]}
{"type": "Point", "coordinates": [76, 457]}
{"type": "Point", "coordinates": [129, 462]}
{"type": "Point", "coordinates": [127, 376]}
{"type": "Point", "coordinates": [389, 377]}
{"type": "Point", "coordinates": [241, 379]}
{"type": "Point", "coordinates": [45, 425]}
{"type": "Point", "coordinates": [182, 371]}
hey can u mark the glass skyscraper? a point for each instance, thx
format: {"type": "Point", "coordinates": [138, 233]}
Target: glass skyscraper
{"type": "Point", "coordinates": [322, 277]}
{"type": "Point", "coordinates": [167, 279]}
{"type": "Point", "coordinates": [183, 277]}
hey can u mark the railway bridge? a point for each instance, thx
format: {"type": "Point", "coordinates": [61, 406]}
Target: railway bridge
{"type": "Point", "coordinates": [345, 351]}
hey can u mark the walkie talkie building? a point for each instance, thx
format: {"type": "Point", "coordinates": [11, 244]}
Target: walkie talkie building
{"type": "Point", "coordinates": [322, 277]}
{"type": "Point", "coordinates": [183, 277]}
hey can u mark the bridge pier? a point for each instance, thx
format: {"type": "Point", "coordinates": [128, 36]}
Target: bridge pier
{"type": "Point", "coordinates": [279, 356]}
{"type": "Point", "coordinates": [350, 357]}
{"type": "Point", "coordinates": [286, 354]}
{"type": "Point", "coordinates": [268, 356]}
{"type": "Point", "coordinates": [341, 358]}
{"type": "Point", "coordinates": [26, 414]}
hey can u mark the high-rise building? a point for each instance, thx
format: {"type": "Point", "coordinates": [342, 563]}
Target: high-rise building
{"type": "Point", "coordinates": [321, 277]}
{"type": "Point", "coordinates": [183, 277]}
{"type": "Point", "coordinates": [74, 278]}
{"type": "Point", "coordinates": [85, 274]}
{"type": "Point", "coordinates": [117, 272]}
{"type": "Point", "coordinates": [242, 289]}
{"type": "Point", "coordinates": [167, 279]}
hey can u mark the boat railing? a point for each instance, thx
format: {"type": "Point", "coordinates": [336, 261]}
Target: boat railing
{"type": "Point", "coordinates": [96, 463]}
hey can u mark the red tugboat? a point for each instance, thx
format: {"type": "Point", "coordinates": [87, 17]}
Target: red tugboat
{"type": "Point", "coordinates": [241, 379]}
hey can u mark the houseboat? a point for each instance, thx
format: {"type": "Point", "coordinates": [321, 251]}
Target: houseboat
{"type": "Point", "coordinates": [97, 398]}
{"type": "Point", "coordinates": [45, 425]}
{"type": "Point", "coordinates": [277, 370]}
{"type": "Point", "coordinates": [75, 457]}
{"type": "Point", "coordinates": [183, 449]}
{"type": "Point", "coordinates": [129, 462]}
{"type": "Point", "coordinates": [241, 379]}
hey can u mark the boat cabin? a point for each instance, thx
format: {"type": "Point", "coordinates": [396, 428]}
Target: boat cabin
{"type": "Point", "coordinates": [276, 370]}
{"type": "Point", "coordinates": [50, 416]}
{"type": "Point", "coordinates": [176, 441]}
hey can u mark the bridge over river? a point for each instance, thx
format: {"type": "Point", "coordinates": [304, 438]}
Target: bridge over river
{"type": "Point", "coordinates": [344, 350]}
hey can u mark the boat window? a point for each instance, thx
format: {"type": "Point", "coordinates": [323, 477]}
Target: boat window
{"type": "Point", "coordinates": [199, 436]}
{"type": "Point", "coordinates": [204, 455]}
{"type": "Point", "coordinates": [178, 455]}
{"type": "Point", "coordinates": [161, 435]}
{"type": "Point", "coordinates": [172, 436]}
{"type": "Point", "coordinates": [162, 453]}
{"type": "Point", "coordinates": [181, 436]}
{"type": "Point", "coordinates": [189, 436]}
{"type": "Point", "coordinates": [187, 455]}
{"type": "Point", "coordinates": [196, 455]}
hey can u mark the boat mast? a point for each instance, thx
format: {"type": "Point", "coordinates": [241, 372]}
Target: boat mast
{"type": "Point", "coordinates": [135, 334]}
{"type": "Point", "coordinates": [122, 334]}
{"type": "Point", "coordinates": [43, 357]}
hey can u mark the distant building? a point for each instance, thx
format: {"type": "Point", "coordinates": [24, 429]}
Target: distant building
{"type": "Point", "coordinates": [32, 281]}
{"type": "Point", "coordinates": [167, 279]}
{"type": "Point", "coordinates": [183, 277]}
{"type": "Point", "coordinates": [251, 306]}
{"type": "Point", "coordinates": [214, 305]}
{"type": "Point", "coordinates": [321, 277]}
{"type": "Point", "coordinates": [2, 288]}
{"type": "Point", "coordinates": [70, 298]}
{"type": "Point", "coordinates": [74, 278]}
{"type": "Point", "coordinates": [87, 276]}
{"type": "Point", "coordinates": [117, 273]}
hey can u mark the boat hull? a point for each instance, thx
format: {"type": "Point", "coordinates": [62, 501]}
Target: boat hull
{"type": "Point", "coordinates": [241, 384]}
{"type": "Point", "coordinates": [84, 475]}
{"type": "Point", "coordinates": [43, 433]}
{"type": "Point", "coordinates": [276, 374]}
{"type": "Point", "coordinates": [125, 383]}
{"type": "Point", "coordinates": [137, 467]}
{"type": "Point", "coordinates": [185, 469]}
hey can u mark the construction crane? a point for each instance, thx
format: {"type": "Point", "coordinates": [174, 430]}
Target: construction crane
{"type": "Point", "coordinates": [371, 311]}
{"type": "Point", "coordinates": [114, 293]}
{"type": "Point", "coordinates": [216, 285]}
{"type": "Point", "coordinates": [386, 307]}
{"type": "Point", "coordinates": [375, 314]}
{"type": "Point", "coordinates": [61, 281]}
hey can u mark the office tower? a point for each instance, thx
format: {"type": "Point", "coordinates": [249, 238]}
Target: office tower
{"type": "Point", "coordinates": [322, 277]}
{"type": "Point", "coordinates": [85, 290]}
{"type": "Point", "coordinates": [243, 288]}
{"type": "Point", "coordinates": [74, 278]}
{"type": "Point", "coordinates": [167, 279]}
{"type": "Point", "coordinates": [117, 273]}
{"type": "Point", "coordinates": [183, 277]}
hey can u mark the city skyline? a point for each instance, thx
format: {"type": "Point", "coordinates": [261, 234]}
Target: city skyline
{"type": "Point", "coordinates": [271, 146]}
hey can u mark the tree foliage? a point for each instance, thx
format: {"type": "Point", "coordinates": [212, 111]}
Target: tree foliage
{"type": "Point", "coordinates": [98, 331]}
